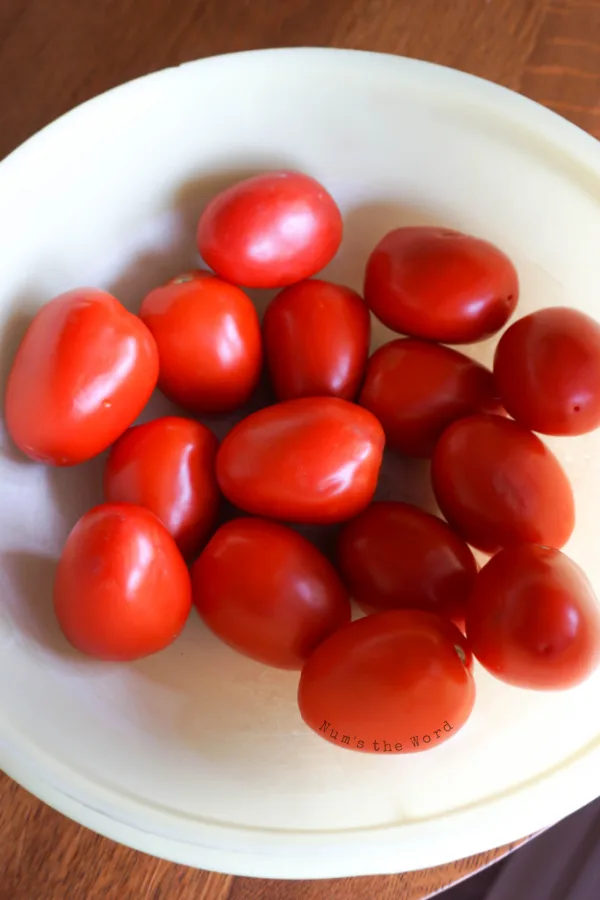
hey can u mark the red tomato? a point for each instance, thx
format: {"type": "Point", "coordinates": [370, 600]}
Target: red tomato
{"type": "Point", "coordinates": [416, 389]}
{"type": "Point", "coordinates": [395, 556]}
{"type": "Point", "coordinates": [313, 460]}
{"type": "Point", "coordinates": [533, 619]}
{"type": "Point", "coordinates": [395, 682]}
{"type": "Point", "coordinates": [498, 484]}
{"type": "Point", "coordinates": [168, 466]}
{"type": "Point", "coordinates": [209, 342]}
{"type": "Point", "coordinates": [267, 592]}
{"type": "Point", "coordinates": [82, 374]}
{"type": "Point", "coordinates": [271, 230]}
{"type": "Point", "coordinates": [122, 589]}
{"type": "Point", "coordinates": [440, 285]}
{"type": "Point", "coordinates": [317, 341]}
{"type": "Point", "coordinates": [547, 369]}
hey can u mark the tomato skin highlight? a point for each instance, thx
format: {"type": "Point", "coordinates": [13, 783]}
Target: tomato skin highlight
{"type": "Point", "coordinates": [270, 230]}
{"type": "Point", "coordinates": [416, 389]}
{"type": "Point", "coordinates": [440, 285]}
{"type": "Point", "coordinates": [313, 460]}
{"type": "Point", "coordinates": [396, 556]}
{"type": "Point", "coordinates": [390, 683]}
{"type": "Point", "coordinates": [122, 590]}
{"type": "Point", "coordinates": [168, 467]}
{"type": "Point", "coordinates": [209, 342]}
{"type": "Point", "coordinates": [268, 592]}
{"type": "Point", "coordinates": [497, 484]}
{"type": "Point", "coordinates": [82, 374]}
{"type": "Point", "coordinates": [317, 341]}
{"type": "Point", "coordinates": [547, 369]}
{"type": "Point", "coordinates": [533, 619]}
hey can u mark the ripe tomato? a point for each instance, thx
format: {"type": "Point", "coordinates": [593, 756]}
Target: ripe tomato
{"type": "Point", "coordinates": [416, 389]}
{"type": "Point", "coordinates": [547, 369]}
{"type": "Point", "coordinates": [317, 341]}
{"type": "Point", "coordinates": [313, 460]}
{"type": "Point", "coordinates": [122, 589]}
{"type": "Point", "coordinates": [498, 484]}
{"type": "Point", "coordinates": [168, 466]}
{"type": "Point", "coordinates": [271, 230]}
{"type": "Point", "coordinates": [440, 285]}
{"type": "Point", "coordinates": [395, 682]}
{"type": "Point", "coordinates": [267, 592]}
{"type": "Point", "coordinates": [533, 619]}
{"type": "Point", "coordinates": [209, 342]}
{"type": "Point", "coordinates": [82, 374]}
{"type": "Point", "coordinates": [395, 556]}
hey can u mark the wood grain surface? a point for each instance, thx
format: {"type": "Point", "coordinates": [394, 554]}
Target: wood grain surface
{"type": "Point", "coordinates": [54, 55]}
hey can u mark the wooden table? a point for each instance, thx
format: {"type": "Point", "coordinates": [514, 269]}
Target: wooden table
{"type": "Point", "coordinates": [53, 55]}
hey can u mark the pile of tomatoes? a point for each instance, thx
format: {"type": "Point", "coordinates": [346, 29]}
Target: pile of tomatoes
{"type": "Point", "coordinates": [400, 678]}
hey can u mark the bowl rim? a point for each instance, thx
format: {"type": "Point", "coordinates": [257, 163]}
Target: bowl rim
{"type": "Point", "coordinates": [382, 849]}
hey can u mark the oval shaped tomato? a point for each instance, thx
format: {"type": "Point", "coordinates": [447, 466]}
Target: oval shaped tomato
{"type": "Point", "coordinates": [209, 342]}
{"type": "Point", "coordinates": [395, 682]}
{"type": "Point", "coordinates": [533, 619]}
{"type": "Point", "coordinates": [395, 556]}
{"type": "Point", "coordinates": [168, 466]}
{"type": "Point", "coordinates": [317, 341]}
{"type": "Point", "coordinates": [267, 592]}
{"type": "Point", "coordinates": [122, 589]}
{"type": "Point", "coordinates": [416, 389]}
{"type": "Point", "coordinates": [547, 369]}
{"type": "Point", "coordinates": [498, 484]}
{"type": "Point", "coordinates": [440, 285]}
{"type": "Point", "coordinates": [270, 230]}
{"type": "Point", "coordinates": [82, 374]}
{"type": "Point", "coordinates": [313, 460]}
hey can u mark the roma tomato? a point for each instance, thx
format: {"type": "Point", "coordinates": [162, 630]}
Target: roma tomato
{"type": "Point", "coordinates": [267, 592]}
{"type": "Point", "coordinates": [395, 556]}
{"type": "Point", "coordinates": [440, 285]}
{"type": "Point", "coordinates": [122, 589]}
{"type": "Point", "coordinates": [416, 389]}
{"type": "Point", "coordinates": [395, 682]}
{"type": "Point", "coordinates": [313, 460]}
{"type": "Point", "coordinates": [317, 341]}
{"type": "Point", "coordinates": [547, 369]}
{"type": "Point", "coordinates": [82, 374]}
{"type": "Point", "coordinates": [209, 342]}
{"type": "Point", "coordinates": [498, 484]}
{"type": "Point", "coordinates": [270, 230]}
{"type": "Point", "coordinates": [533, 619]}
{"type": "Point", "coordinates": [168, 466]}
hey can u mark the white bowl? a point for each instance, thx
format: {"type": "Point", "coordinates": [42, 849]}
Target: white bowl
{"type": "Point", "coordinates": [197, 754]}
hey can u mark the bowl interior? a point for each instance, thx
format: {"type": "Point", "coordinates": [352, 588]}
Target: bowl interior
{"type": "Point", "coordinates": [198, 736]}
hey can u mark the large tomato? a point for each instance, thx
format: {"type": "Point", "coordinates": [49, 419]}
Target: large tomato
{"type": "Point", "coordinates": [82, 374]}
{"type": "Point", "coordinates": [313, 460]}
{"type": "Point", "coordinates": [440, 285]}
{"type": "Point", "coordinates": [317, 341]}
{"type": "Point", "coordinates": [547, 369]}
{"type": "Point", "coordinates": [122, 589]}
{"type": "Point", "coordinates": [416, 389]}
{"type": "Point", "coordinates": [395, 556]}
{"type": "Point", "coordinates": [533, 619]}
{"type": "Point", "coordinates": [498, 484]}
{"type": "Point", "coordinates": [209, 342]}
{"type": "Point", "coordinates": [395, 682]}
{"type": "Point", "coordinates": [270, 230]}
{"type": "Point", "coordinates": [267, 592]}
{"type": "Point", "coordinates": [168, 466]}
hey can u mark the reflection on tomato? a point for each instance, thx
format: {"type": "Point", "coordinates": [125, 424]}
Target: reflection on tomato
{"type": "Point", "coordinates": [267, 592]}
{"type": "Point", "coordinates": [395, 682]}
{"type": "Point", "coordinates": [82, 374]}
{"type": "Point", "coordinates": [313, 460]}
